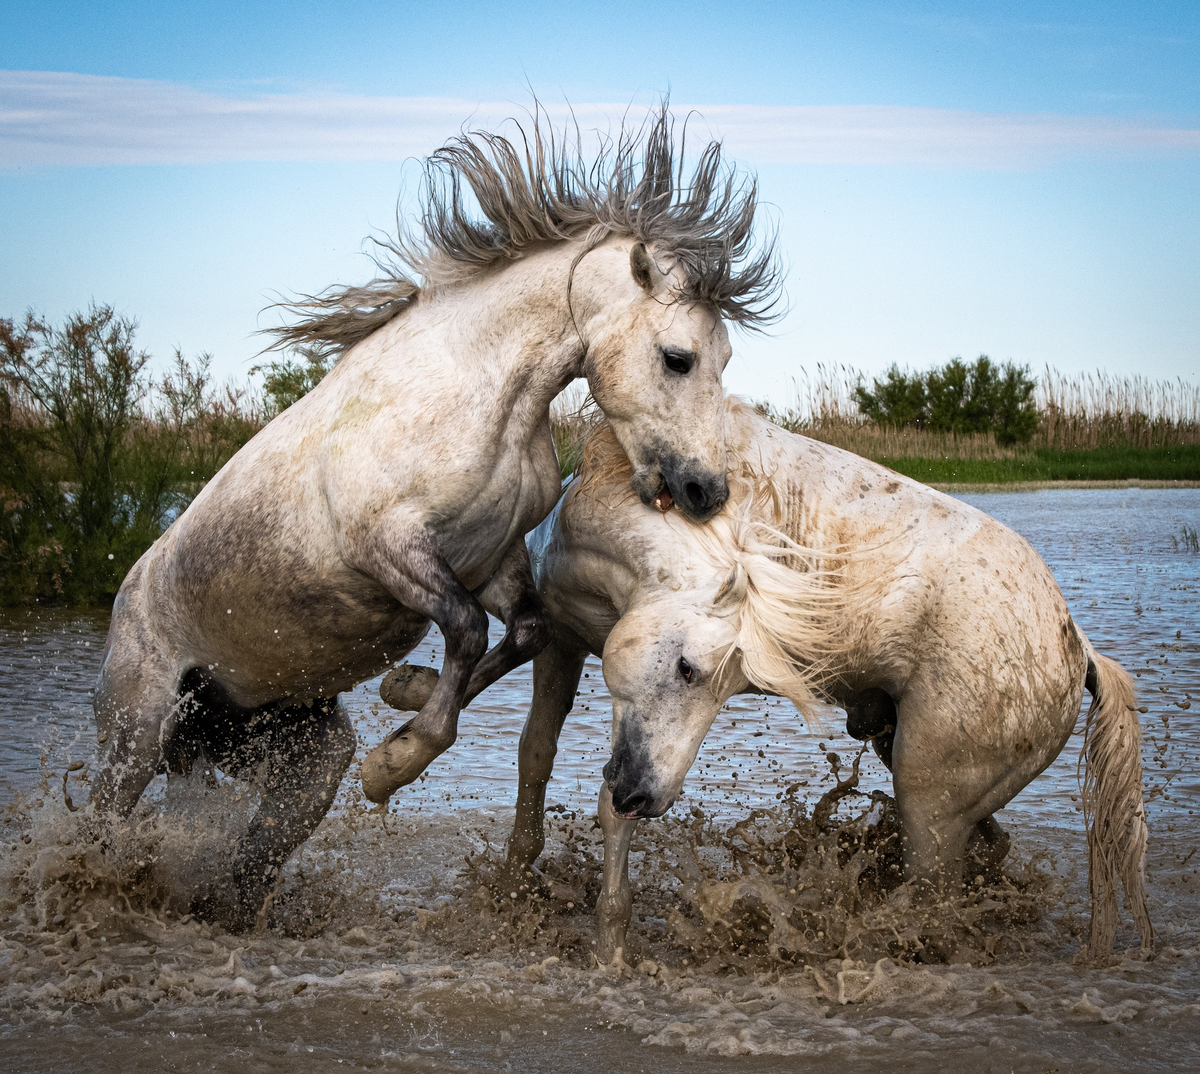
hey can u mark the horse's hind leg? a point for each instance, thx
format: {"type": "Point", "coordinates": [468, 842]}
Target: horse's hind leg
{"type": "Point", "coordinates": [301, 758]}
{"type": "Point", "coordinates": [135, 704]}
{"type": "Point", "coordinates": [871, 715]}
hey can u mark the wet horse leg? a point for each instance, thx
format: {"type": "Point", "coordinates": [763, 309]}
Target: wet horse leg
{"type": "Point", "coordinates": [136, 706]}
{"type": "Point", "coordinates": [417, 575]}
{"type": "Point", "coordinates": [556, 672]}
{"type": "Point", "coordinates": [871, 714]}
{"type": "Point", "coordinates": [511, 596]}
{"type": "Point", "coordinates": [614, 908]}
{"type": "Point", "coordinates": [297, 760]}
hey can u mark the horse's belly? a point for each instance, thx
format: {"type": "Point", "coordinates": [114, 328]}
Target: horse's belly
{"type": "Point", "coordinates": [265, 664]}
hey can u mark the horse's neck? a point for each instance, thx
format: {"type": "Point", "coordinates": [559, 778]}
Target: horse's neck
{"type": "Point", "coordinates": [520, 328]}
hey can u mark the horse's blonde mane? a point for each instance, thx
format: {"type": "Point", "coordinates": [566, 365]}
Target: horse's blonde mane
{"type": "Point", "coordinates": [799, 611]}
{"type": "Point", "coordinates": [540, 187]}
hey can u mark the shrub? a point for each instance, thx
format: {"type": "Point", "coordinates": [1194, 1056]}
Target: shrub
{"type": "Point", "coordinates": [285, 381]}
{"type": "Point", "coordinates": [96, 457]}
{"type": "Point", "coordinates": [955, 398]}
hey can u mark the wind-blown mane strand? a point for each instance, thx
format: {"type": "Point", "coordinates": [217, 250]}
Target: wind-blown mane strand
{"type": "Point", "coordinates": [540, 187]}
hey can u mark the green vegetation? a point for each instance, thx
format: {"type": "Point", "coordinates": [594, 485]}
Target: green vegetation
{"type": "Point", "coordinates": [982, 423]}
{"type": "Point", "coordinates": [285, 381]}
{"type": "Point", "coordinates": [957, 398]}
{"type": "Point", "coordinates": [98, 454]}
{"type": "Point", "coordinates": [1044, 464]}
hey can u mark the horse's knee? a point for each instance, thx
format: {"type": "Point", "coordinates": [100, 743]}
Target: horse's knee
{"type": "Point", "coordinates": [134, 718]}
{"type": "Point", "coordinates": [531, 630]}
{"type": "Point", "coordinates": [466, 630]}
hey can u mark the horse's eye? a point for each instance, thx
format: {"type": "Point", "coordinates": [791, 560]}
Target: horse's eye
{"type": "Point", "coordinates": [686, 670]}
{"type": "Point", "coordinates": [680, 362]}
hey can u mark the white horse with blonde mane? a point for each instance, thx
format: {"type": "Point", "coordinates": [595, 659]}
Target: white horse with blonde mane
{"type": "Point", "coordinates": [940, 631]}
{"type": "Point", "coordinates": [399, 491]}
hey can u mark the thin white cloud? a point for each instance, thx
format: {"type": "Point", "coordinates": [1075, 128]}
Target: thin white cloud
{"type": "Point", "coordinates": [64, 119]}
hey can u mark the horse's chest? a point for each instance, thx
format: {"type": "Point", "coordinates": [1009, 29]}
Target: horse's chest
{"type": "Point", "coordinates": [507, 508]}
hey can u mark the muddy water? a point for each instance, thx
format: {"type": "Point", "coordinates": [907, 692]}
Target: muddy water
{"type": "Point", "coordinates": [386, 949]}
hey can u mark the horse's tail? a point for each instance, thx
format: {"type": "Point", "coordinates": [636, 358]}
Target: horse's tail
{"type": "Point", "coordinates": [1113, 810]}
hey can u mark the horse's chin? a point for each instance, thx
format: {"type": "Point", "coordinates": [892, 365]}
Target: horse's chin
{"type": "Point", "coordinates": [649, 484]}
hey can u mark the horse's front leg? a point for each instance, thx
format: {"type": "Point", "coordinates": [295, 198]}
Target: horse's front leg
{"type": "Point", "coordinates": [614, 908]}
{"type": "Point", "coordinates": [511, 596]}
{"type": "Point", "coordinates": [556, 671]}
{"type": "Point", "coordinates": [411, 567]}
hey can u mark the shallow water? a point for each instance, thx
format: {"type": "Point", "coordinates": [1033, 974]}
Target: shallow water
{"type": "Point", "coordinates": [384, 951]}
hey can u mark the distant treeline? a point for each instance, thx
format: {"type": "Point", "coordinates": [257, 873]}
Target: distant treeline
{"type": "Point", "coordinates": [981, 410]}
{"type": "Point", "coordinates": [980, 422]}
{"type": "Point", "coordinates": [98, 453]}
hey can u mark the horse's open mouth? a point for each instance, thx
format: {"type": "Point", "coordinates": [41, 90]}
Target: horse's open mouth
{"type": "Point", "coordinates": [663, 499]}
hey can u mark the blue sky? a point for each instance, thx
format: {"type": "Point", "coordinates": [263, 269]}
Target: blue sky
{"type": "Point", "coordinates": [1023, 182]}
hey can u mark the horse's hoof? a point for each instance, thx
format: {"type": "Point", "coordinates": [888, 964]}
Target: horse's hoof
{"type": "Point", "coordinates": [408, 687]}
{"type": "Point", "coordinates": [396, 761]}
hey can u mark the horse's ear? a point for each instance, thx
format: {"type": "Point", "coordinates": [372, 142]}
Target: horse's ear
{"type": "Point", "coordinates": [642, 266]}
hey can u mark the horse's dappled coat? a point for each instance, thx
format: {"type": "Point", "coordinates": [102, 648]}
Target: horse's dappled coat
{"type": "Point", "coordinates": [940, 631]}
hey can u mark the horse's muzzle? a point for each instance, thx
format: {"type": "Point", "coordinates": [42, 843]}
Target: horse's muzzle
{"type": "Point", "coordinates": [634, 795]}
{"type": "Point", "coordinates": [697, 491]}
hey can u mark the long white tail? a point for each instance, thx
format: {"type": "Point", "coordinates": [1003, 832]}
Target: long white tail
{"type": "Point", "coordinates": [1113, 809]}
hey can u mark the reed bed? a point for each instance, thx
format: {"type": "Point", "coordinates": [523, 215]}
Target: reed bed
{"type": "Point", "coordinates": [1096, 410]}
{"type": "Point", "coordinates": [1076, 413]}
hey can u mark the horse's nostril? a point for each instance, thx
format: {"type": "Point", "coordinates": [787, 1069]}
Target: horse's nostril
{"type": "Point", "coordinates": [696, 495]}
{"type": "Point", "coordinates": [634, 804]}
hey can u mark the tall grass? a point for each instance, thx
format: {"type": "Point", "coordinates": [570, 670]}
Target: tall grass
{"type": "Point", "coordinates": [1096, 410]}
{"type": "Point", "coordinates": [1084, 412]}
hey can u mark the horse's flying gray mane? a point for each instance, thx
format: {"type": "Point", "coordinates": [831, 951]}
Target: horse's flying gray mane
{"type": "Point", "coordinates": [540, 188]}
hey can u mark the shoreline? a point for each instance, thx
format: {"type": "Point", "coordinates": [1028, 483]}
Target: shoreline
{"type": "Point", "coordinates": [1043, 486]}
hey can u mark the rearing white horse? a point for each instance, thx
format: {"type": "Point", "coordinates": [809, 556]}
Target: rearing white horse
{"type": "Point", "coordinates": [400, 490]}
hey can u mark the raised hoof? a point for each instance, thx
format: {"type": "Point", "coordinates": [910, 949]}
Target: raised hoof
{"type": "Point", "coordinates": [408, 687]}
{"type": "Point", "coordinates": [396, 761]}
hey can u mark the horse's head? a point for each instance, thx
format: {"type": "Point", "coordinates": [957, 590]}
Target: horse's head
{"type": "Point", "coordinates": [666, 667]}
{"type": "Point", "coordinates": [654, 362]}
{"type": "Point", "coordinates": [728, 604]}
